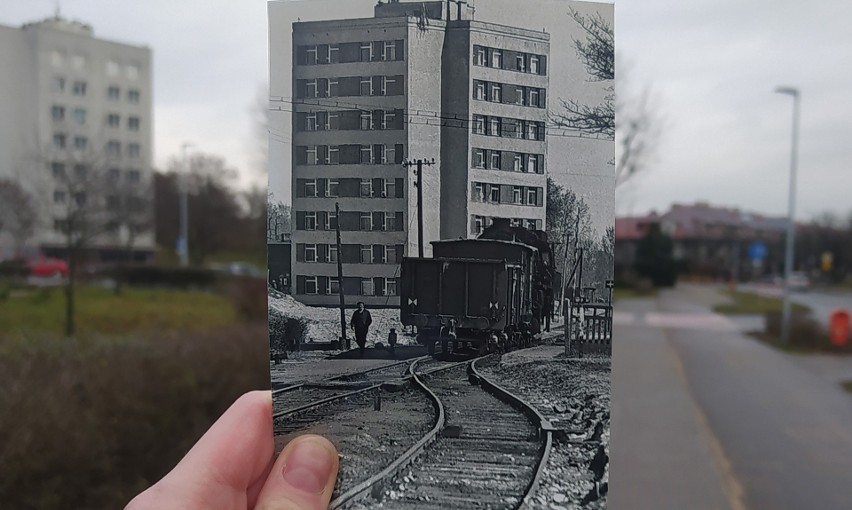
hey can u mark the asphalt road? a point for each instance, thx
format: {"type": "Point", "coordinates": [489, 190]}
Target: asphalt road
{"type": "Point", "coordinates": [705, 417]}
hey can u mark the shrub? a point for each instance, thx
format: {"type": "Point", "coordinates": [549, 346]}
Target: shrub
{"type": "Point", "coordinates": [805, 332]}
{"type": "Point", "coordinates": [89, 423]}
{"type": "Point", "coordinates": [248, 296]}
{"type": "Point", "coordinates": [159, 276]}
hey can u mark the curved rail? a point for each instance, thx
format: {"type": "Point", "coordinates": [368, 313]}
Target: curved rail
{"type": "Point", "coordinates": [545, 427]}
{"type": "Point", "coordinates": [342, 377]}
{"type": "Point", "coordinates": [409, 454]}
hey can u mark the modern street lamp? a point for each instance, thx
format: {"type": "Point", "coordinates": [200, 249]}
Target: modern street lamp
{"type": "Point", "coordinates": [791, 208]}
{"type": "Point", "coordinates": [183, 242]}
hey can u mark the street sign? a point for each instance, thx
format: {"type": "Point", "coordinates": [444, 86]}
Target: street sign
{"type": "Point", "coordinates": [757, 250]}
{"type": "Point", "coordinates": [827, 261]}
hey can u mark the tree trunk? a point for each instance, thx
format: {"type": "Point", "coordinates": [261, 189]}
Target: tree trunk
{"type": "Point", "coordinates": [69, 292]}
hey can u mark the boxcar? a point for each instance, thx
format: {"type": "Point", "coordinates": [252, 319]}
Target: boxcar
{"type": "Point", "coordinates": [476, 293]}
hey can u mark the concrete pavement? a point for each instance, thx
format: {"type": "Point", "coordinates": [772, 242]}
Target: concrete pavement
{"type": "Point", "coordinates": [705, 417]}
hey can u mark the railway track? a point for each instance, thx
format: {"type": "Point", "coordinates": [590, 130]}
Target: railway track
{"type": "Point", "coordinates": [485, 450]}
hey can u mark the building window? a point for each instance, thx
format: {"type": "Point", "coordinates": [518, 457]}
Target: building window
{"type": "Point", "coordinates": [495, 160]}
{"type": "Point", "coordinates": [58, 197]}
{"type": "Point", "coordinates": [79, 116]}
{"type": "Point", "coordinates": [113, 175]}
{"type": "Point", "coordinates": [58, 84]}
{"type": "Point", "coordinates": [390, 188]}
{"type": "Point", "coordinates": [311, 121]}
{"type": "Point", "coordinates": [534, 64]}
{"type": "Point", "coordinates": [520, 96]}
{"type": "Point", "coordinates": [519, 163]}
{"type": "Point", "coordinates": [366, 154]}
{"type": "Point", "coordinates": [332, 121]}
{"type": "Point", "coordinates": [333, 88]}
{"type": "Point", "coordinates": [390, 222]}
{"type": "Point", "coordinates": [494, 126]}
{"type": "Point", "coordinates": [133, 123]}
{"type": "Point", "coordinates": [58, 170]}
{"type": "Point", "coordinates": [534, 98]}
{"type": "Point", "coordinates": [133, 96]}
{"type": "Point", "coordinates": [332, 253]}
{"type": "Point", "coordinates": [132, 71]}
{"type": "Point", "coordinates": [332, 188]}
{"type": "Point", "coordinates": [366, 222]}
{"type": "Point", "coordinates": [533, 164]}
{"type": "Point", "coordinates": [532, 131]}
{"type": "Point", "coordinates": [496, 93]}
{"type": "Point", "coordinates": [479, 124]}
{"type": "Point", "coordinates": [311, 188]}
{"type": "Point", "coordinates": [56, 58]}
{"type": "Point", "coordinates": [311, 155]}
{"type": "Point", "coordinates": [517, 195]}
{"type": "Point", "coordinates": [389, 50]}
{"type": "Point", "coordinates": [57, 113]}
{"type": "Point", "coordinates": [81, 143]}
{"type": "Point", "coordinates": [386, 82]}
{"type": "Point", "coordinates": [80, 198]}
{"type": "Point", "coordinates": [113, 120]}
{"type": "Point", "coordinates": [366, 188]}
{"type": "Point", "coordinates": [366, 52]}
{"type": "Point", "coordinates": [310, 285]}
{"type": "Point", "coordinates": [478, 224]}
{"type": "Point", "coordinates": [521, 63]}
{"type": "Point", "coordinates": [134, 176]}
{"type": "Point", "coordinates": [112, 68]}
{"type": "Point", "coordinates": [388, 118]}
{"type": "Point", "coordinates": [366, 254]}
{"type": "Point", "coordinates": [390, 286]}
{"type": "Point", "coordinates": [333, 286]}
{"type": "Point", "coordinates": [310, 253]}
{"type": "Point", "coordinates": [331, 223]}
{"type": "Point", "coordinates": [479, 56]}
{"type": "Point", "coordinates": [367, 287]}
{"type": "Point", "coordinates": [495, 193]}
{"type": "Point", "coordinates": [390, 255]}
{"type": "Point", "coordinates": [366, 120]}
{"type": "Point", "coordinates": [311, 220]}
{"type": "Point", "coordinates": [532, 196]}
{"type": "Point", "coordinates": [113, 93]}
{"type": "Point", "coordinates": [366, 86]}
{"type": "Point", "coordinates": [532, 224]}
{"type": "Point", "coordinates": [479, 90]}
{"type": "Point", "coordinates": [497, 59]}
{"type": "Point", "coordinates": [133, 150]}
{"type": "Point", "coordinates": [311, 55]}
{"type": "Point", "coordinates": [478, 191]}
{"type": "Point", "coordinates": [479, 158]}
{"type": "Point", "coordinates": [334, 155]}
{"type": "Point", "coordinates": [59, 140]}
{"type": "Point", "coordinates": [79, 88]}
{"type": "Point", "coordinates": [334, 54]}
{"type": "Point", "coordinates": [112, 202]}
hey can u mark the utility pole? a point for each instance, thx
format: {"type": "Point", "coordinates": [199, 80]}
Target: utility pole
{"type": "Point", "coordinates": [183, 244]}
{"type": "Point", "coordinates": [419, 183]}
{"type": "Point", "coordinates": [344, 341]}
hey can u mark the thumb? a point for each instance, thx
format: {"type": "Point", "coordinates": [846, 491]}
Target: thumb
{"type": "Point", "coordinates": [303, 477]}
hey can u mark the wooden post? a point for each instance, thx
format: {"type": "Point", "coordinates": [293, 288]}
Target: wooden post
{"type": "Point", "coordinates": [344, 341]}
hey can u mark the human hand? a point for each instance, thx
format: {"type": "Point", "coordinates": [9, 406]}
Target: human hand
{"type": "Point", "coordinates": [233, 467]}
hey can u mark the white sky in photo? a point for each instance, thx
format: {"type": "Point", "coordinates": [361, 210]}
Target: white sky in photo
{"type": "Point", "coordinates": [711, 65]}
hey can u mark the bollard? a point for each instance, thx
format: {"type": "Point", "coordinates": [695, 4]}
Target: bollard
{"type": "Point", "coordinates": [839, 327]}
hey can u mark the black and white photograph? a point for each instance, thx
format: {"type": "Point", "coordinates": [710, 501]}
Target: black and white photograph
{"type": "Point", "coordinates": [441, 238]}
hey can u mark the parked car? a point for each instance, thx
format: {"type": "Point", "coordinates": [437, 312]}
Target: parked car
{"type": "Point", "coordinates": [48, 267]}
{"type": "Point", "coordinates": [799, 281]}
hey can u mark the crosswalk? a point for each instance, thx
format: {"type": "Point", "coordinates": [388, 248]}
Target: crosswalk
{"type": "Point", "coordinates": [672, 320]}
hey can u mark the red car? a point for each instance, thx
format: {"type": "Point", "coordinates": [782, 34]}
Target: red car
{"type": "Point", "coordinates": [47, 266]}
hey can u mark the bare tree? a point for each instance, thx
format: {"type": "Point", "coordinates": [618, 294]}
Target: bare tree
{"type": "Point", "coordinates": [277, 218]}
{"type": "Point", "coordinates": [638, 128]}
{"type": "Point", "coordinates": [18, 213]}
{"type": "Point", "coordinates": [569, 223]}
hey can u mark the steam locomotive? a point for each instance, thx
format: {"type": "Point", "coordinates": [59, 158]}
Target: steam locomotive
{"type": "Point", "coordinates": [491, 293]}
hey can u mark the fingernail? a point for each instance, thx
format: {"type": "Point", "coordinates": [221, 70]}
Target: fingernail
{"type": "Point", "coordinates": [308, 466]}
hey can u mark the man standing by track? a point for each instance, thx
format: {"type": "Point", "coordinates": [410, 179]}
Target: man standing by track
{"type": "Point", "coordinates": [360, 323]}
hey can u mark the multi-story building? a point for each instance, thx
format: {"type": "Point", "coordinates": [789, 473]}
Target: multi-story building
{"type": "Point", "coordinates": [76, 105]}
{"type": "Point", "coordinates": [416, 81]}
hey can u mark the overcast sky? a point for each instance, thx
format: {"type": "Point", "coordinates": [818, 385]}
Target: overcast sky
{"type": "Point", "coordinates": [711, 64]}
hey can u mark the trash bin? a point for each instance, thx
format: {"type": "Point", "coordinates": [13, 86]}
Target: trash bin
{"type": "Point", "coordinates": [839, 330]}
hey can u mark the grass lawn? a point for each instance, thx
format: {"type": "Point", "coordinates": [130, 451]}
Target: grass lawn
{"type": "Point", "coordinates": [101, 311]}
{"type": "Point", "coordinates": [628, 293]}
{"type": "Point", "coordinates": [748, 303]}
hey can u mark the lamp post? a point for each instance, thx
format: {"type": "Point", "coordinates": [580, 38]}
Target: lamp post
{"type": "Point", "coordinates": [183, 243]}
{"type": "Point", "coordinates": [791, 208]}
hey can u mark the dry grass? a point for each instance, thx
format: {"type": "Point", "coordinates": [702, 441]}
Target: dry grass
{"type": "Point", "coordinates": [90, 422]}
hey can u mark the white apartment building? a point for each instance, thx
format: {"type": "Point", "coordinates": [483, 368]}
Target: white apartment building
{"type": "Point", "coordinates": [74, 103]}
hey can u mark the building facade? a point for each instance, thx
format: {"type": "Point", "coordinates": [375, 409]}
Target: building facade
{"type": "Point", "coordinates": [416, 81]}
{"type": "Point", "coordinates": [78, 116]}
